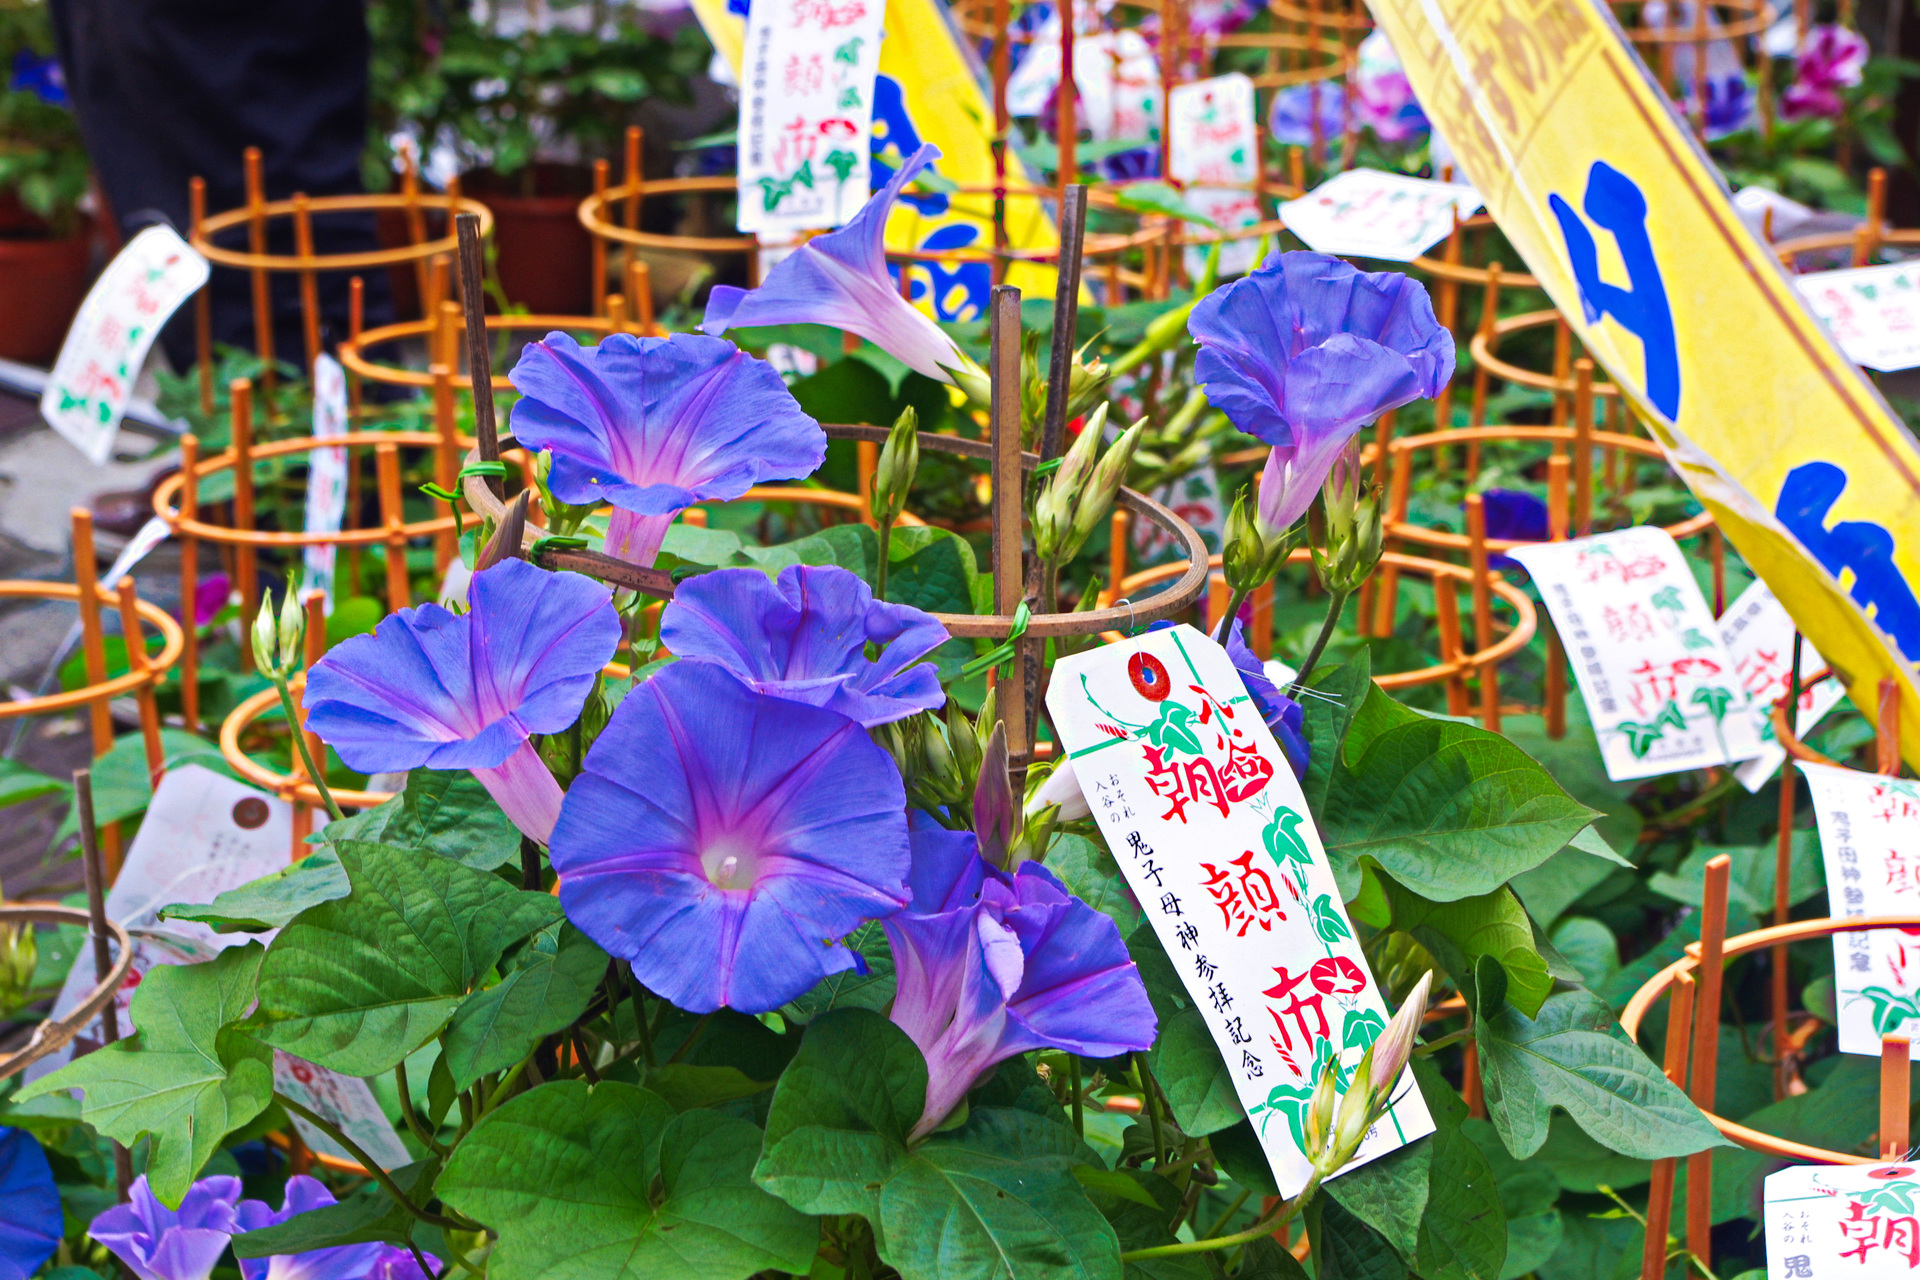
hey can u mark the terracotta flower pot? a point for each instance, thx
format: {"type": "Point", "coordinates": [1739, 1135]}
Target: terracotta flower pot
{"type": "Point", "coordinates": [43, 280]}
{"type": "Point", "coordinates": [545, 255]}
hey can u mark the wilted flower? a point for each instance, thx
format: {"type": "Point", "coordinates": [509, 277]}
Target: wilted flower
{"type": "Point", "coordinates": [724, 841]}
{"type": "Point", "coordinates": [840, 280]}
{"type": "Point", "coordinates": [1307, 349]}
{"type": "Point", "coordinates": [158, 1243]}
{"type": "Point", "coordinates": [440, 690]}
{"type": "Point", "coordinates": [1282, 714]}
{"type": "Point", "coordinates": [1833, 58]}
{"type": "Point", "coordinates": [992, 965]}
{"type": "Point", "coordinates": [804, 637]}
{"type": "Point", "coordinates": [654, 425]}
{"type": "Point", "coordinates": [31, 1223]}
{"type": "Point", "coordinates": [302, 1195]}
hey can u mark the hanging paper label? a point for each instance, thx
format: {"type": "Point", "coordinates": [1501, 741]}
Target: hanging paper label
{"type": "Point", "coordinates": [806, 113]}
{"type": "Point", "coordinates": [1870, 845]}
{"type": "Point", "coordinates": [344, 1100]}
{"type": "Point", "coordinates": [1213, 834]}
{"type": "Point", "coordinates": [1215, 148]}
{"type": "Point", "coordinates": [1759, 635]}
{"type": "Point", "coordinates": [1365, 213]}
{"type": "Point", "coordinates": [1872, 312]}
{"type": "Point", "coordinates": [1195, 498]}
{"type": "Point", "coordinates": [93, 379]}
{"type": "Point", "coordinates": [1843, 1222]}
{"type": "Point", "coordinates": [1660, 687]}
{"type": "Point", "coordinates": [326, 471]}
{"type": "Point", "coordinates": [203, 834]}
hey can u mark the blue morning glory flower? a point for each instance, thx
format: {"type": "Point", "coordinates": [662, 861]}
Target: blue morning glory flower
{"type": "Point", "coordinates": [440, 690]}
{"type": "Point", "coordinates": [654, 425]}
{"type": "Point", "coordinates": [158, 1243]}
{"type": "Point", "coordinates": [30, 1220]}
{"type": "Point", "coordinates": [1282, 714]}
{"type": "Point", "coordinates": [303, 1194]}
{"type": "Point", "coordinates": [841, 280]}
{"type": "Point", "coordinates": [724, 841]}
{"type": "Point", "coordinates": [992, 965]}
{"type": "Point", "coordinates": [805, 637]}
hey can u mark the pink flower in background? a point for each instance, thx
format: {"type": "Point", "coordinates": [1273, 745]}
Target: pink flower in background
{"type": "Point", "coordinates": [1832, 59]}
{"type": "Point", "coordinates": [210, 597]}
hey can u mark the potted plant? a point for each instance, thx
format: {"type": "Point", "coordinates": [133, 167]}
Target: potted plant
{"type": "Point", "coordinates": [526, 102]}
{"type": "Point", "coordinates": [45, 245]}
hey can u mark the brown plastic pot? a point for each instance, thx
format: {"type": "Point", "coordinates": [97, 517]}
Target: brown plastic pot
{"type": "Point", "coordinates": [545, 254]}
{"type": "Point", "coordinates": [43, 280]}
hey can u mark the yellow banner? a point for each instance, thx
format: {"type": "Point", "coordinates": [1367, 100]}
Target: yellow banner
{"type": "Point", "coordinates": [927, 91]}
{"type": "Point", "coordinates": [1629, 228]}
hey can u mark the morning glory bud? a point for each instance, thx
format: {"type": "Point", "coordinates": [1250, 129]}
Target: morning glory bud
{"type": "Point", "coordinates": [293, 629]}
{"type": "Point", "coordinates": [265, 635]}
{"type": "Point", "coordinates": [1320, 1109]}
{"type": "Point", "coordinates": [1053, 509]}
{"type": "Point", "coordinates": [1395, 1045]}
{"type": "Point", "coordinates": [993, 799]}
{"type": "Point", "coordinates": [899, 461]}
{"type": "Point", "coordinates": [1096, 500]}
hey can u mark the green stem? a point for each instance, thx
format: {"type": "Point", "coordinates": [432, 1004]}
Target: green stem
{"type": "Point", "coordinates": [1434, 1046]}
{"type": "Point", "coordinates": [1265, 1227]}
{"type": "Point", "coordinates": [412, 1117]}
{"type": "Point", "coordinates": [315, 775]}
{"type": "Point", "coordinates": [692, 1035]}
{"type": "Point", "coordinates": [1225, 626]}
{"type": "Point", "coordinates": [639, 1013]}
{"type": "Point", "coordinates": [497, 1096]}
{"type": "Point", "coordinates": [1232, 1209]}
{"type": "Point", "coordinates": [1079, 1120]}
{"type": "Point", "coordinates": [1153, 1109]}
{"type": "Point", "coordinates": [880, 574]}
{"type": "Point", "coordinates": [1335, 607]}
{"type": "Point", "coordinates": [372, 1166]}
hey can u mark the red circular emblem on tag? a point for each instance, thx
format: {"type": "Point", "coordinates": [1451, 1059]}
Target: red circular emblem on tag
{"type": "Point", "coordinates": [1150, 679]}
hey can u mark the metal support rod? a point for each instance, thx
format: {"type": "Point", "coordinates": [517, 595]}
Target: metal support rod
{"type": "Point", "coordinates": [1066, 314]}
{"type": "Point", "coordinates": [93, 867]}
{"type": "Point", "coordinates": [1782, 878]}
{"type": "Point", "coordinates": [479, 360]}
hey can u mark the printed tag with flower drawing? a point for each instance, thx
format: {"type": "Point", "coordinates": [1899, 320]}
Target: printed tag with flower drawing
{"type": "Point", "coordinates": [1214, 837]}
{"type": "Point", "coordinates": [1661, 688]}
{"type": "Point", "coordinates": [1859, 1221]}
{"type": "Point", "coordinates": [1759, 634]}
{"type": "Point", "coordinates": [345, 1100]}
{"type": "Point", "coordinates": [1870, 846]}
{"type": "Point", "coordinates": [1215, 156]}
{"type": "Point", "coordinates": [1369, 214]}
{"type": "Point", "coordinates": [1872, 313]}
{"type": "Point", "coordinates": [806, 113]}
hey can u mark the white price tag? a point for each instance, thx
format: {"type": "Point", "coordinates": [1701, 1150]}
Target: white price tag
{"type": "Point", "coordinates": [344, 1100]}
{"type": "Point", "coordinates": [1844, 1222]}
{"type": "Point", "coordinates": [1215, 153]}
{"type": "Point", "coordinates": [1870, 846]}
{"type": "Point", "coordinates": [203, 834]}
{"type": "Point", "coordinates": [1364, 213]}
{"type": "Point", "coordinates": [806, 113]}
{"type": "Point", "coordinates": [1759, 634]}
{"type": "Point", "coordinates": [326, 471]}
{"type": "Point", "coordinates": [93, 379]}
{"type": "Point", "coordinates": [1873, 313]}
{"type": "Point", "coordinates": [1660, 686]}
{"type": "Point", "coordinates": [1216, 841]}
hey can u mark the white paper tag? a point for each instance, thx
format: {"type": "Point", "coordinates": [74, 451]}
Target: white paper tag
{"type": "Point", "coordinates": [1873, 313]}
{"type": "Point", "coordinates": [806, 114]}
{"type": "Point", "coordinates": [1661, 688]}
{"type": "Point", "coordinates": [326, 471]}
{"type": "Point", "coordinates": [1214, 153]}
{"type": "Point", "coordinates": [1195, 498]}
{"type": "Point", "coordinates": [1758, 632]}
{"type": "Point", "coordinates": [203, 834]}
{"type": "Point", "coordinates": [347, 1102]}
{"type": "Point", "coordinates": [101, 359]}
{"type": "Point", "coordinates": [1870, 846]}
{"type": "Point", "coordinates": [1365, 213]}
{"type": "Point", "coordinates": [1216, 841]}
{"type": "Point", "coordinates": [1843, 1222]}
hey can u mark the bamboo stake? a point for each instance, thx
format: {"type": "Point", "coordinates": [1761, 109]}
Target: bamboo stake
{"type": "Point", "coordinates": [1782, 878]}
{"type": "Point", "coordinates": [240, 394]}
{"type": "Point", "coordinates": [262, 289]}
{"type": "Point", "coordinates": [1653, 1257]}
{"type": "Point", "coordinates": [1706, 1053]}
{"type": "Point", "coordinates": [1483, 609]}
{"type": "Point", "coordinates": [1009, 577]}
{"type": "Point", "coordinates": [1896, 1087]}
{"type": "Point", "coordinates": [143, 693]}
{"type": "Point", "coordinates": [387, 459]}
{"type": "Point", "coordinates": [189, 584]}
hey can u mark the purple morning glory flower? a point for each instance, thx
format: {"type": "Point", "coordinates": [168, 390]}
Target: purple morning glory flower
{"type": "Point", "coordinates": [395, 1263]}
{"type": "Point", "coordinates": [31, 1223]}
{"type": "Point", "coordinates": [347, 1262]}
{"type": "Point", "coordinates": [654, 425]}
{"type": "Point", "coordinates": [440, 690]}
{"type": "Point", "coordinates": [805, 637]}
{"type": "Point", "coordinates": [1307, 349]}
{"type": "Point", "coordinates": [841, 280]}
{"type": "Point", "coordinates": [158, 1243]}
{"type": "Point", "coordinates": [992, 965]}
{"type": "Point", "coordinates": [1282, 714]}
{"type": "Point", "coordinates": [210, 596]}
{"type": "Point", "coordinates": [1833, 58]}
{"type": "Point", "coordinates": [1290, 119]}
{"type": "Point", "coordinates": [1517, 515]}
{"type": "Point", "coordinates": [725, 841]}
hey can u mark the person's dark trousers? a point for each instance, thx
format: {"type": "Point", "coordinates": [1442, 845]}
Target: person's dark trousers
{"type": "Point", "coordinates": [167, 90]}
